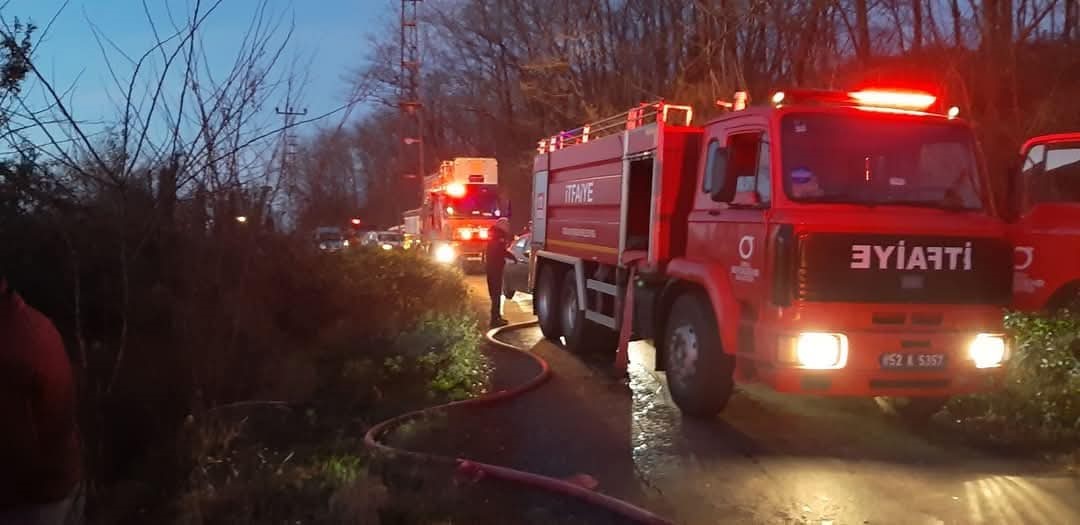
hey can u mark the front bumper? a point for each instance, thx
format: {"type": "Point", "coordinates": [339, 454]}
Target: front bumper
{"type": "Point", "coordinates": [864, 374]}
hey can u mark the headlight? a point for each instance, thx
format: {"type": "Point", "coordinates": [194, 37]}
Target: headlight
{"type": "Point", "coordinates": [345, 243]}
{"type": "Point", "coordinates": [815, 350]}
{"type": "Point", "coordinates": [445, 253]}
{"type": "Point", "coordinates": [387, 246]}
{"type": "Point", "coordinates": [987, 350]}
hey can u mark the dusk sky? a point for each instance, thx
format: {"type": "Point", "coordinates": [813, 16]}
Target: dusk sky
{"type": "Point", "coordinates": [330, 40]}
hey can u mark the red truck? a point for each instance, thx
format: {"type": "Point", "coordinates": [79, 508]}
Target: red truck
{"type": "Point", "coordinates": [1044, 210]}
{"type": "Point", "coordinates": [461, 204]}
{"type": "Point", "coordinates": [828, 243]}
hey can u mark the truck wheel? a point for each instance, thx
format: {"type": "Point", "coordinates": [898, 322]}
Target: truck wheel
{"type": "Point", "coordinates": [571, 315]}
{"type": "Point", "coordinates": [913, 409]}
{"type": "Point", "coordinates": [700, 375]}
{"type": "Point", "coordinates": [546, 302]}
{"type": "Point", "coordinates": [582, 336]}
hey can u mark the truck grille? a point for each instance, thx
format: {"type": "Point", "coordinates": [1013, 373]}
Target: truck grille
{"type": "Point", "coordinates": [867, 268]}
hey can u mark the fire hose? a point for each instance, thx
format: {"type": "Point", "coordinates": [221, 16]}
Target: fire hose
{"type": "Point", "coordinates": [478, 470]}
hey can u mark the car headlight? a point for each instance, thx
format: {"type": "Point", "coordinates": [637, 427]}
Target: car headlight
{"type": "Point", "coordinates": [345, 243]}
{"type": "Point", "coordinates": [815, 350]}
{"type": "Point", "coordinates": [445, 253]}
{"type": "Point", "coordinates": [387, 246]}
{"type": "Point", "coordinates": [987, 350]}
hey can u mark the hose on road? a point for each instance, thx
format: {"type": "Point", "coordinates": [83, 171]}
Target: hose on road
{"type": "Point", "coordinates": [475, 468]}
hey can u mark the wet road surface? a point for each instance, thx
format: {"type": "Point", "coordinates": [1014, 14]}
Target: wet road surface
{"type": "Point", "coordinates": [767, 459]}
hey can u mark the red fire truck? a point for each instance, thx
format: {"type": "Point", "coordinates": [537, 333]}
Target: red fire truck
{"type": "Point", "coordinates": [461, 203]}
{"type": "Point", "coordinates": [1044, 209]}
{"type": "Point", "coordinates": [837, 244]}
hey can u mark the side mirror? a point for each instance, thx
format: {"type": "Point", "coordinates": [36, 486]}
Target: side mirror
{"type": "Point", "coordinates": [1014, 191]}
{"type": "Point", "coordinates": [716, 176]}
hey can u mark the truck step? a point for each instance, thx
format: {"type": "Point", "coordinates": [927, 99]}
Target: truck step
{"type": "Point", "coordinates": [600, 319]}
{"type": "Point", "coordinates": [600, 286]}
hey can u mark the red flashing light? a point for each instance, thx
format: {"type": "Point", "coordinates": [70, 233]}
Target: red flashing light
{"type": "Point", "coordinates": [912, 100]}
{"type": "Point", "coordinates": [455, 190]}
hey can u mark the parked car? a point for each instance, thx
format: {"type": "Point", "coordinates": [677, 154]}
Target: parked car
{"type": "Point", "coordinates": [385, 239]}
{"type": "Point", "coordinates": [516, 275]}
{"type": "Point", "coordinates": [330, 239]}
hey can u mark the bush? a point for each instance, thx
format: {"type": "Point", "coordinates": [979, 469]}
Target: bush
{"type": "Point", "coordinates": [1040, 403]}
{"type": "Point", "coordinates": [449, 353]}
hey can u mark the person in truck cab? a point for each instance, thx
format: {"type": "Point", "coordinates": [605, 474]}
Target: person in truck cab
{"type": "Point", "coordinates": [40, 465]}
{"type": "Point", "coordinates": [497, 254]}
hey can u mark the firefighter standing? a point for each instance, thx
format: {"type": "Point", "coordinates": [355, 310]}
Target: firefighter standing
{"type": "Point", "coordinates": [40, 465]}
{"type": "Point", "coordinates": [496, 257]}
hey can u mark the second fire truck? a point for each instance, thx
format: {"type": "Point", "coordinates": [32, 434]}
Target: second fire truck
{"type": "Point", "coordinates": [1044, 209]}
{"type": "Point", "coordinates": [827, 243]}
{"type": "Point", "coordinates": [461, 204]}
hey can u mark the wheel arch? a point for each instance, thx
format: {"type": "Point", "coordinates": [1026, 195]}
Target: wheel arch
{"type": "Point", "coordinates": [686, 275]}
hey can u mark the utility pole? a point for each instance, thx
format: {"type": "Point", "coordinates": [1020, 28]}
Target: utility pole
{"type": "Point", "coordinates": [412, 127]}
{"type": "Point", "coordinates": [288, 144]}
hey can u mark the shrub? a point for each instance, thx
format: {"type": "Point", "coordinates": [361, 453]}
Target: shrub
{"type": "Point", "coordinates": [1041, 399]}
{"type": "Point", "coordinates": [451, 355]}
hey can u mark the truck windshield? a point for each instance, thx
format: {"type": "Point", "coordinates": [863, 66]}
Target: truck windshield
{"type": "Point", "coordinates": [1053, 172]}
{"type": "Point", "coordinates": [879, 159]}
{"type": "Point", "coordinates": [479, 200]}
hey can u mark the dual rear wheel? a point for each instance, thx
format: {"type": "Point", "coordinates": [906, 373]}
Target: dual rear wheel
{"type": "Point", "coordinates": [561, 317]}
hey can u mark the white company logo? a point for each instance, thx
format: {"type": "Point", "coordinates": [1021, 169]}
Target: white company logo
{"type": "Point", "coordinates": [743, 271]}
{"type": "Point", "coordinates": [746, 246]}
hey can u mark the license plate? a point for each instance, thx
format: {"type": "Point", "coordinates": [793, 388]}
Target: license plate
{"type": "Point", "coordinates": [900, 360]}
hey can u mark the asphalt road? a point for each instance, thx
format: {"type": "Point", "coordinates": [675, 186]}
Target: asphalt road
{"type": "Point", "coordinates": [767, 459]}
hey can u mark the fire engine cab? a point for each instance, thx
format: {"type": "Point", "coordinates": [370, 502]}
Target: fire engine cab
{"type": "Point", "coordinates": [1044, 209]}
{"type": "Point", "coordinates": [461, 204]}
{"type": "Point", "coordinates": [827, 243]}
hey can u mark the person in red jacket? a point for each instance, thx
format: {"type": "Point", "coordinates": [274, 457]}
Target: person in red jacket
{"type": "Point", "coordinates": [40, 463]}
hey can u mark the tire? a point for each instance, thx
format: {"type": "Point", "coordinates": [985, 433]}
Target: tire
{"type": "Point", "coordinates": [571, 316]}
{"type": "Point", "coordinates": [582, 335]}
{"type": "Point", "coordinates": [700, 375]}
{"type": "Point", "coordinates": [546, 302]}
{"type": "Point", "coordinates": [913, 409]}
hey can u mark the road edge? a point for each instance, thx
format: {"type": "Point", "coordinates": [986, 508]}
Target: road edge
{"type": "Point", "coordinates": [475, 468]}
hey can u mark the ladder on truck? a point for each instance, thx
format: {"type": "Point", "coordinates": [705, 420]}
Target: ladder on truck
{"type": "Point", "coordinates": [636, 117]}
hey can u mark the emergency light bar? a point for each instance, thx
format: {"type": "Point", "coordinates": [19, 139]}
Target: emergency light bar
{"type": "Point", "coordinates": [884, 99]}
